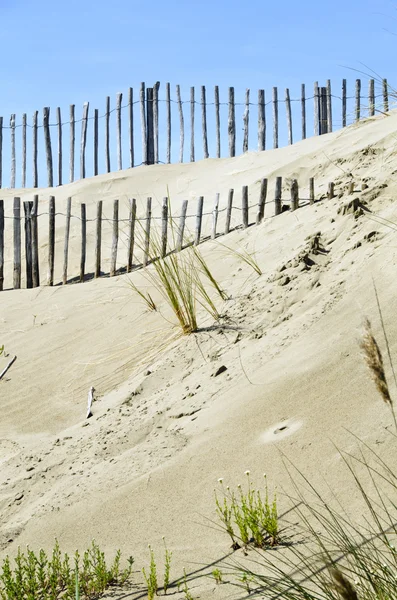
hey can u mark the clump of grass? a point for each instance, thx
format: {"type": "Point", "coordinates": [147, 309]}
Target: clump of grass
{"type": "Point", "coordinates": [246, 257]}
{"type": "Point", "coordinates": [39, 576]}
{"type": "Point", "coordinates": [255, 517]}
{"type": "Point", "coordinates": [146, 297]}
{"type": "Point", "coordinates": [217, 575]}
{"type": "Point", "coordinates": [151, 577]}
{"type": "Point", "coordinates": [183, 586]}
{"type": "Point", "coordinates": [167, 567]}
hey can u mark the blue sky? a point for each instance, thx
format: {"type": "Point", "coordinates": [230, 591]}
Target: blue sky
{"type": "Point", "coordinates": [58, 53]}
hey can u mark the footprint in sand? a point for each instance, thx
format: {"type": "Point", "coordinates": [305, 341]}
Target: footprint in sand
{"type": "Point", "coordinates": [279, 431]}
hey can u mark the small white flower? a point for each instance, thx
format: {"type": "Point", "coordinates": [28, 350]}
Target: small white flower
{"type": "Point", "coordinates": [220, 480]}
{"type": "Point", "coordinates": [247, 472]}
{"type": "Point", "coordinates": [239, 485]}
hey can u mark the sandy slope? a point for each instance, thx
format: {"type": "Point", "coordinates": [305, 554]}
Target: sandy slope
{"type": "Point", "coordinates": [164, 427]}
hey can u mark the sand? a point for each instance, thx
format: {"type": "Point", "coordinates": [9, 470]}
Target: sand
{"type": "Point", "coordinates": [165, 426]}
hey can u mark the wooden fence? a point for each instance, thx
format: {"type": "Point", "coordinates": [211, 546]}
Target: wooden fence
{"type": "Point", "coordinates": [131, 237]}
{"type": "Point", "coordinates": [157, 132]}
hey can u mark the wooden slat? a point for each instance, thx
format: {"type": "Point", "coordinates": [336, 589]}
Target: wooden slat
{"type": "Point", "coordinates": [13, 152]}
{"type": "Point", "coordinates": [215, 217]}
{"type": "Point", "coordinates": [246, 120]}
{"type": "Point", "coordinates": [275, 117]}
{"type": "Point", "coordinates": [66, 244]}
{"type": "Point", "coordinates": [51, 241]}
{"type": "Point", "coordinates": [277, 196]}
{"type": "Point", "coordinates": [131, 124]}
{"type": "Point", "coordinates": [98, 239]}
{"type": "Point", "coordinates": [83, 219]}
{"type": "Point", "coordinates": [289, 116]}
{"type": "Point", "coordinates": [168, 114]}
{"type": "Point", "coordinates": [23, 170]}
{"type": "Point", "coordinates": [143, 123]}
{"type": "Point", "coordinates": [199, 219]}
{"type": "Point", "coordinates": [146, 249]}
{"type": "Point", "coordinates": [47, 143]}
{"type": "Point", "coordinates": [229, 211]}
{"type": "Point", "coordinates": [329, 106]}
{"type": "Point", "coordinates": [115, 238]}
{"type": "Point", "coordinates": [83, 143]}
{"type": "Point", "coordinates": [181, 227]}
{"type": "Point", "coordinates": [316, 109]}
{"type": "Point", "coordinates": [72, 135]}
{"type": "Point", "coordinates": [119, 100]}
{"type": "Point", "coordinates": [34, 142]}
{"type": "Point", "coordinates": [149, 125]}
{"type": "Point", "coordinates": [204, 121]}
{"type": "Point", "coordinates": [244, 205]}
{"type": "Point", "coordinates": [131, 234]}
{"type": "Point", "coordinates": [107, 135]}
{"type": "Point", "coordinates": [358, 99]}
{"type": "Point", "coordinates": [35, 243]}
{"type": "Point", "coordinates": [303, 110]}
{"type": "Point", "coordinates": [164, 227]}
{"type": "Point", "coordinates": [261, 121]}
{"type": "Point", "coordinates": [17, 244]}
{"type": "Point", "coordinates": [231, 128]}
{"type": "Point", "coordinates": [27, 207]}
{"type": "Point", "coordinates": [294, 195]}
{"type": "Point", "coordinates": [344, 101]}
{"type": "Point", "coordinates": [181, 123]}
{"type": "Point", "coordinates": [217, 123]}
{"type": "Point", "coordinates": [262, 201]}
{"type": "Point", "coordinates": [96, 140]}
{"type": "Point", "coordinates": [59, 128]}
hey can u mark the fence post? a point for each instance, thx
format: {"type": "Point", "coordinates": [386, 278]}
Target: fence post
{"type": "Point", "coordinates": [277, 196]}
{"type": "Point", "coordinates": [303, 110]}
{"type": "Point", "coordinates": [23, 177]}
{"type": "Point", "coordinates": [143, 125]}
{"type": "Point", "coordinates": [164, 227]}
{"type": "Point", "coordinates": [51, 241]}
{"type": "Point", "coordinates": [59, 128]}
{"type": "Point", "coordinates": [115, 238]}
{"type": "Point", "coordinates": [119, 99]}
{"type": "Point", "coordinates": [244, 205]}
{"type": "Point", "coordinates": [261, 121]}
{"type": "Point", "coordinates": [329, 106]}
{"type": "Point", "coordinates": [181, 228]}
{"type": "Point", "coordinates": [155, 124]}
{"type": "Point", "coordinates": [229, 211]}
{"type": "Point", "coordinates": [275, 118]}
{"type": "Point", "coordinates": [17, 243]}
{"type": "Point", "coordinates": [83, 241]}
{"type": "Point", "coordinates": [1, 245]}
{"type": "Point", "coordinates": [323, 127]}
{"type": "Point", "coordinates": [66, 245]}
{"type": "Point", "coordinates": [13, 158]}
{"type": "Point", "coordinates": [232, 124]}
{"type": "Point", "coordinates": [131, 234]}
{"type": "Point", "coordinates": [215, 217]}
{"type": "Point", "coordinates": [131, 124]}
{"type": "Point", "coordinates": [107, 135]}
{"type": "Point", "coordinates": [83, 139]}
{"type": "Point", "coordinates": [47, 141]}
{"type": "Point", "coordinates": [311, 190]}
{"type": "Point", "coordinates": [34, 143]}
{"type": "Point", "coordinates": [72, 141]}
{"type": "Point", "coordinates": [149, 124]}
{"type": "Point", "coordinates": [96, 133]}
{"type": "Point", "coordinates": [294, 195]}
{"type": "Point", "coordinates": [181, 123]}
{"type": "Point", "coordinates": [316, 109]}
{"type": "Point", "coordinates": [371, 97]}
{"type": "Point", "coordinates": [27, 207]}
{"type": "Point", "coordinates": [217, 123]}
{"type": "Point", "coordinates": [192, 107]}
{"type": "Point", "coordinates": [35, 243]}
{"type": "Point", "coordinates": [98, 238]}
{"type": "Point", "coordinates": [385, 95]}
{"type": "Point", "coordinates": [331, 190]}
{"type": "Point", "coordinates": [199, 219]}
{"type": "Point", "coordinates": [204, 121]}
{"type": "Point", "coordinates": [289, 116]}
{"type": "Point", "coordinates": [1, 152]}
{"type": "Point", "coordinates": [262, 201]}
{"type": "Point", "coordinates": [358, 99]}
{"type": "Point", "coordinates": [146, 249]}
{"type": "Point", "coordinates": [246, 120]}
{"type": "Point", "coordinates": [168, 108]}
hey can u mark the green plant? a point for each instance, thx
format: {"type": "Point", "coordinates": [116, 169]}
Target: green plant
{"type": "Point", "coordinates": [217, 575]}
{"type": "Point", "coordinates": [39, 576]}
{"type": "Point", "coordinates": [151, 577]}
{"type": "Point", "coordinates": [1, 350]}
{"type": "Point", "coordinates": [167, 567]}
{"type": "Point", "coordinates": [256, 518]}
{"type": "Point", "coordinates": [146, 297]}
{"type": "Point", "coordinates": [184, 587]}
{"type": "Point", "coordinates": [247, 257]}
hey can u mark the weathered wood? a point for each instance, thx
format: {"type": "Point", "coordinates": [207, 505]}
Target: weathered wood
{"type": "Point", "coordinates": [1, 245]}
{"type": "Point", "coordinates": [146, 248]}
{"type": "Point", "coordinates": [192, 111]}
{"type": "Point", "coordinates": [323, 127]}
{"type": "Point", "coordinates": [244, 205]}
{"type": "Point", "coordinates": [181, 123]}
{"type": "Point", "coordinates": [143, 124]}
{"type": "Point", "coordinates": [47, 142]}
{"type": "Point", "coordinates": [72, 135]}
{"type": "Point", "coordinates": [66, 244]}
{"type": "Point", "coordinates": [96, 140]}
{"type": "Point", "coordinates": [149, 126]}
{"type": "Point", "coordinates": [164, 227]}
{"type": "Point", "coordinates": [385, 89]}
{"type": "Point", "coordinates": [344, 102]}
{"type": "Point", "coordinates": [358, 99]}
{"type": "Point", "coordinates": [199, 220]}
{"type": "Point", "coordinates": [351, 187]}
{"type": "Point", "coordinates": [119, 99]}
{"type": "Point", "coordinates": [289, 115]}
{"type": "Point", "coordinates": [275, 117]}
{"type": "Point", "coordinates": [27, 207]}
{"type": "Point", "coordinates": [168, 114]}
{"type": "Point", "coordinates": [51, 241]}
{"type": "Point", "coordinates": [262, 201]}
{"type": "Point", "coordinates": [261, 121]}
{"type": "Point", "coordinates": [371, 97]}
{"type": "Point", "coordinates": [204, 121]}
{"type": "Point", "coordinates": [83, 218]}
{"type": "Point", "coordinates": [231, 126]}
{"type": "Point", "coordinates": [303, 110]}
{"type": "Point", "coordinates": [98, 239]}
{"type": "Point", "coordinates": [1, 152]}
{"type": "Point", "coordinates": [229, 211]}
{"type": "Point", "coordinates": [217, 123]}
{"type": "Point", "coordinates": [331, 190]}
{"type": "Point", "coordinates": [294, 195]}
{"type": "Point", "coordinates": [34, 143]}
{"type": "Point", "coordinates": [35, 243]}
{"type": "Point", "coordinates": [316, 109]}
{"type": "Point", "coordinates": [155, 124]}
{"type": "Point", "coordinates": [246, 117]}
{"type": "Point", "coordinates": [329, 106]}
{"type": "Point", "coordinates": [83, 143]}
{"type": "Point", "coordinates": [23, 171]}
{"type": "Point", "coordinates": [13, 155]}
{"type": "Point", "coordinates": [181, 227]}
{"type": "Point", "coordinates": [115, 238]}
{"type": "Point", "coordinates": [59, 129]}
{"type": "Point", "coordinates": [17, 244]}
{"type": "Point", "coordinates": [215, 217]}
{"type": "Point", "coordinates": [131, 234]}
{"type": "Point", "coordinates": [107, 135]}
{"type": "Point", "coordinates": [277, 196]}
{"type": "Point", "coordinates": [311, 190]}
{"type": "Point", "coordinates": [131, 124]}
